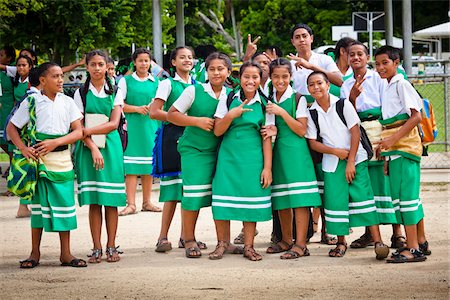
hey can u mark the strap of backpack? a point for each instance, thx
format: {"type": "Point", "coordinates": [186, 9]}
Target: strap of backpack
{"type": "Point", "coordinates": [230, 99]}
{"type": "Point", "coordinates": [340, 110]}
{"type": "Point", "coordinates": [83, 96]}
{"type": "Point", "coordinates": [315, 118]}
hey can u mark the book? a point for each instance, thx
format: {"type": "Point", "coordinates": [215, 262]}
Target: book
{"type": "Point", "coordinates": [92, 120]}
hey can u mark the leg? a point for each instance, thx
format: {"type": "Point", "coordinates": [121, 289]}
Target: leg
{"type": "Point", "coordinates": [66, 258]}
{"type": "Point", "coordinates": [23, 211]}
{"type": "Point", "coordinates": [341, 247]}
{"type": "Point", "coordinates": [223, 241]}
{"type": "Point", "coordinates": [189, 219]}
{"type": "Point", "coordinates": [315, 216]}
{"type": "Point", "coordinates": [167, 216]}
{"type": "Point", "coordinates": [130, 185]}
{"type": "Point", "coordinates": [299, 249]}
{"type": "Point", "coordinates": [36, 236]}
{"type": "Point", "coordinates": [249, 237]}
{"type": "Point", "coordinates": [95, 222]}
{"type": "Point", "coordinates": [325, 238]}
{"type": "Point", "coordinates": [111, 218]}
{"type": "Point", "coordinates": [285, 243]}
{"type": "Point", "coordinates": [381, 250]}
{"type": "Point", "coordinates": [147, 205]}
{"type": "Point", "coordinates": [276, 228]}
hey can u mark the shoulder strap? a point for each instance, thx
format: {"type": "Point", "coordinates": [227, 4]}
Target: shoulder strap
{"type": "Point", "coordinates": [340, 110]}
{"type": "Point", "coordinates": [83, 96]}
{"type": "Point", "coordinates": [315, 118]}
{"type": "Point", "coordinates": [230, 99]}
{"type": "Point", "coordinates": [297, 98]}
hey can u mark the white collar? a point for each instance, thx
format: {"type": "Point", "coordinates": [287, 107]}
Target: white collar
{"type": "Point", "coordinates": [25, 80]}
{"type": "Point", "coordinates": [92, 87]}
{"type": "Point", "coordinates": [395, 79]}
{"type": "Point", "coordinates": [149, 77]}
{"type": "Point", "coordinates": [333, 100]}
{"type": "Point", "coordinates": [286, 95]}
{"type": "Point", "coordinates": [178, 78]}
{"type": "Point", "coordinates": [257, 97]}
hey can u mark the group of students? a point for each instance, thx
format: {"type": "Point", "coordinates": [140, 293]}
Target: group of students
{"type": "Point", "coordinates": [245, 150]}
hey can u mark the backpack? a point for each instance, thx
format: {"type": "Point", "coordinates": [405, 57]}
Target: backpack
{"type": "Point", "coordinates": [122, 128]}
{"type": "Point", "coordinates": [365, 142]}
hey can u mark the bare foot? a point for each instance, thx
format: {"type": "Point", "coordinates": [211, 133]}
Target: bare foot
{"type": "Point", "coordinates": [23, 211]}
{"type": "Point", "coordinates": [150, 207]}
{"type": "Point", "coordinates": [130, 209]}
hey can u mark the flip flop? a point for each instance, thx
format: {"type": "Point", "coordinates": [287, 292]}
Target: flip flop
{"type": "Point", "coordinates": [200, 244]}
{"type": "Point", "coordinates": [128, 210]}
{"type": "Point", "coordinates": [163, 247]}
{"type": "Point", "coordinates": [29, 260]}
{"type": "Point", "coordinates": [75, 263]}
{"type": "Point", "coordinates": [151, 208]}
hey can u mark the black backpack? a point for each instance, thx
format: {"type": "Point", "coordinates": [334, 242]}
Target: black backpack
{"type": "Point", "coordinates": [365, 142]}
{"type": "Point", "coordinates": [122, 128]}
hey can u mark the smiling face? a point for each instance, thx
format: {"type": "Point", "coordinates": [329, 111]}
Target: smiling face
{"type": "Point", "coordinates": [318, 86]}
{"type": "Point", "coordinates": [357, 57]}
{"type": "Point", "coordinates": [217, 72]}
{"type": "Point", "coordinates": [142, 64]}
{"type": "Point", "coordinates": [302, 40]}
{"type": "Point", "coordinates": [23, 67]}
{"type": "Point", "coordinates": [264, 62]}
{"type": "Point", "coordinates": [96, 67]}
{"type": "Point", "coordinates": [386, 67]}
{"type": "Point", "coordinates": [280, 78]}
{"type": "Point", "coordinates": [52, 80]}
{"type": "Point", "coordinates": [184, 61]}
{"type": "Point", "coordinates": [250, 79]}
{"type": "Point", "coordinates": [110, 68]}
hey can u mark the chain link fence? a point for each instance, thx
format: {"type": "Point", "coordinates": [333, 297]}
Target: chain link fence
{"type": "Point", "coordinates": [432, 80]}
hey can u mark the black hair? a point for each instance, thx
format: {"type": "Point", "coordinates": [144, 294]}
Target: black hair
{"type": "Point", "coordinates": [325, 77]}
{"type": "Point", "coordinates": [298, 26]}
{"type": "Point", "coordinates": [218, 55]}
{"type": "Point", "coordinates": [280, 62]}
{"type": "Point", "coordinates": [43, 69]}
{"type": "Point", "coordinates": [173, 56]}
{"type": "Point", "coordinates": [245, 65]}
{"type": "Point", "coordinates": [10, 52]}
{"type": "Point", "coordinates": [392, 52]}
{"type": "Point", "coordinates": [30, 63]}
{"type": "Point", "coordinates": [345, 42]}
{"type": "Point", "coordinates": [89, 56]}
{"type": "Point", "coordinates": [32, 52]}
{"type": "Point", "coordinates": [141, 51]}
{"type": "Point", "coordinates": [278, 50]}
{"type": "Point", "coordinates": [110, 61]}
{"type": "Point", "coordinates": [358, 43]}
{"type": "Point", "coordinates": [33, 77]}
{"type": "Point", "coordinates": [328, 50]}
{"type": "Point", "coordinates": [203, 51]}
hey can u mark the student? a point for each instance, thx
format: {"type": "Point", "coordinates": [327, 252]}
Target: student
{"type": "Point", "coordinates": [241, 185]}
{"type": "Point", "coordinates": [199, 73]}
{"type": "Point", "coordinates": [294, 184]}
{"type": "Point", "coordinates": [110, 68]}
{"type": "Point", "coordinates": [348, 196]}
{"type": "Point", "coordinates": [139, 89]}
{"type": "Point", "coordinates": [402, 148]}
{"type": "Point", "coordinates": [341, 58]}
{"type": "Point", "coordinates": [365, 89]}
{"type": "Point", "coordinates": [100, 174]}
{"type": "Point", "coordinates": [182, 61]}
{"type": "Point", "coordinates": [195, 109]}
{"type": "Point", "coordinates": [57, 125]}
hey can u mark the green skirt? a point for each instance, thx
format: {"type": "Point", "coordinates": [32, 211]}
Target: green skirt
{"type": "Point", "coordinates": [170, 189]}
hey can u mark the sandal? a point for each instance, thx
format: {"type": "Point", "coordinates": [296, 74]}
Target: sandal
{"type": "Point", "coordinates": [277, 248]}
{"type": "Point", "coordinates": [398, 241]}
{"type": "Point", "coordinates": [363, 241]}
{"type": "Point", "coordinates": [381, 250]}
{"type": "Point", "coordinates": [112, 254]}
{"type": "Point", "coordinates": [151, 208]}
{"type": "Point", "coordinates": [200, 244]}
{"type": "Point", "coordinates": [338, 252]}
{"type": "Point", "coordinates": [223, 247]}
{"type": "Point", "coordinates": [163, 245]}
{"type": "Point", "coordinates": [193, 252]}
{"type": "Point", "coordinates": [251, 254]}
{"type": "Point", "coordinates": [28, 263]}
{"type": "Point", "coordinates": [240, 238]}
{"type": "Point", "coordinates": [328, 240]}
{"type": "Point", "coordinates": [96, 256]}
{"type": "Point", "coordinates": [315, 226]}
{"type": "Point", "coordinates": [130, 209]}
{"type": "Point", "coordinates": [425, 248]}
{"type": "Point", "coordinates": [75, 263]}
{"type": "Point", "coordinates": [418, 256]}
{"type": "Point", "coordinates": [292, 254]}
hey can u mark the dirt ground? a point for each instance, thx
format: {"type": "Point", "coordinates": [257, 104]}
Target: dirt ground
{"type": "Point", "coordinates": [143, 273]}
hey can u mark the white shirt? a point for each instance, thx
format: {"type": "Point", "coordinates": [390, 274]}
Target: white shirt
{"type": "Point", "coordinates": [184, 102]}
{"type": "Point", "coordinates": [11, 71]}
{"type": "Point", "coordinates": [222, 108]}
{"type": "Point", "coordinates": [333, 131]}
{"type": "Point", "coordinates": [52, 117]}
{"type": "Point", "coordinates": [300, 75]}
{"type": "Point", "coordinates": [370, 97]}
{"type": "Point", "coordinates": [165, 87]}
{"type": "Point", "coordinates": [302, 108]}
{"type": "Point", "coordinates": [399, 97]}
{"type": "Point", "coordinates": [122, 85]}
{"type": "Point", "coordinates": [118, 100]}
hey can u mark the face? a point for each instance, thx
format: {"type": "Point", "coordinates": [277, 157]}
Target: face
{"type": "Point", "coordinates": [53, 80]}
{"type": "Point", "coordinates": [142, 63]}
{"type": "Point", "coordinates": [184, 61]}
{"type": "Point", "coordinates": [318, 87]}
{"type": "Point", "coordinates": [264, 63]}
{"type": "Point", "coordinates": [357, 57]}
{"type": "Point", "coordinates": [97, 67]}
{"type": "Point", "coordinates": [302, 40]}
{"type": "Point", "coordinates": [111, 70]}
{"type": "Point", "coordinates": [23, 68]}
{"type": "Point", "coordinates": [4, 59]}
{"type": "Point", "coordinates": [386, 67]}
{"type": "Point", "coordinates": [280, 78]}
{"type": "Point", "coordinates": [217, 72]}
{"type": "Point", "coordinates": [250, 79]}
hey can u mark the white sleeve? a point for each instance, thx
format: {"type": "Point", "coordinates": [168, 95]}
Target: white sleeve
{"type": "Point", "coordinates": [22, 115]}
{"type": "Point", "coordinates": [221, 109]}
{"type": "Point", "coordinates": [11, 71]}
{"type": "Point", "coordinates": [350, 115]}
{"type": "Point", "coordinates": [78, 101]}
{"type": "Point", "coordinates": [74, 111]}
{"type": "Point", "coordinates": [409, 96]}
{"type": "Point", "coordinates": [184, 102]}
{"type": "Point", "coordinates": [328, 64]}
{"type": "Point", "coordinates": [122, 85]}
{"type": "Point", "coordinates": [345, 89]}
{"type": "Point", "coordinates": [311, 130]}
{"type": "Point", "coordinates": [118, 99]}
{"type": "Point", "coordinates": [302, 109]}
{"type": "Point", "coordinates": [164, 90]}
{"type": "Point", "coordinates": [270, 119]}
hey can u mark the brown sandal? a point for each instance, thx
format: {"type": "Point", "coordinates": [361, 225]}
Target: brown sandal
{"type": "Point", "coordinates": [278, 247]}
{"type": "Point", "coordinates": [338, 252]}
{"type": "Point", "coordinates": [251, 254]}
{"type": "Point", "coordinates": [292, 254]}
{"type": "Point", "coordinates": [130, 209]}
{"type": "Point", "coordinates": [363, 241]}
{"type": "Point", "coordinates": [192, 252]}
{"type": "Point", "coordinates": [398, 241]}
{"type": "Point", "coordinates": [225, 247]}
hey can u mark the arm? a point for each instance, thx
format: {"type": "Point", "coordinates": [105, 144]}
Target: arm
{"type": "Point", "coordinates": [143, 110]}
{"type": "Point", "coordinates": [350, 170]}
{"type": "Point", "coordinates": [251, 48]}
{"type": "Point", "coordinates": [47, 146]}
{"type": "Point", "coordinates": [107, 127]}
{"type": "Point", "coordinates": [298, 126]}
{"type": "Point", "coordinates": [221, 125]}
{"type": "Point", "coordinates": [73, 66]}
{"type": "Point", "coordinates": [156, 111]}
{"type": "Point", "coordinates": [180, 119]}
{"type": "Point", "coordinates": [322, 148]}
{"type": "Point", "coordinates": [412, 122]}
{"type": "Point", "coordinates": [334, 76]}
{"type": "Point", "coordinates": [266, 174]}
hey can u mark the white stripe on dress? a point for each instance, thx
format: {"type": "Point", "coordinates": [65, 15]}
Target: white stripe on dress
{"type": "Point", "coordinates": [336, 212]}
{"type": "Point", "coordinates": [409, 202]}
{"type": "Point", "coordinates": [64, 215]}
{"type": "Point", "coordinates": [96, 189]}
{"type": "Point", "coordinates": [170, 182]}
{"type": "Point", "coordinates": [336, 220]}
{"type": "Point", "coordinates": [385, 210]}
{"type": "Point", "coordinates": [197, 187]}
{"type": "Point", "coordinates": [295, 192]}
{"type": "Point", "coordinates": [294, 184]}
{"type": "Point", "coordinates": [138, 158]}
{"type": "Point", "coordinates": [193, 195]}
{"type": "Point", "coordinates": [362, 210]}
{"type": "Point", "coordinates": [83, 183]}
{"type": "Point", "coordinates": [362, 203]}
{"type": "Point", "coordinates": [254, 206]}
{"type": "Point", "coordinates": [137, 162]}
{"type": "Point", "coordinates": [383, 198]}
{"type": "Point", "coordinates": [406, 209]}
{"type": "Point", "coordinates": [232, 198]}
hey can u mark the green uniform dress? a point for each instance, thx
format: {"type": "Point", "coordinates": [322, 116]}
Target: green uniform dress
{"type": "Point", "coordinates": [6, 100]}
{"type": "Point", "coordinates": [102, 187]}
{"type": "Point", "coordinates": [138, 157]}
{"type": "Point", "coordinates": [294, 180]}
{"type": "Point", "coordinates": [198, 150]}
{"type": "Point", "coordinates": [171, 187]}
{"type": "Point", "coordinates": [237, 190]}
{"type": "Point", "coordinates": [20, 90]}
